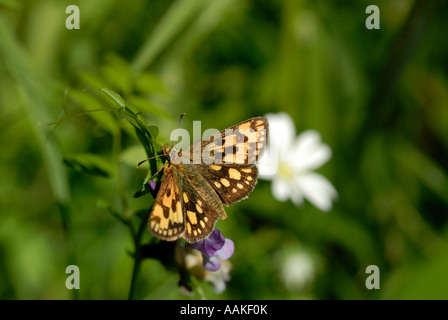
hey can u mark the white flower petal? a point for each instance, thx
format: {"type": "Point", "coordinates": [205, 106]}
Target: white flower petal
{"type": "Point", "coordinates": [267, 165]}
{"type": "Point", "coordinates": [308, 139]}
{"type": "Point", "coordinates": [289, 160]}
{"type": "Point", "coordinates": [308, 153]}
{"type": "Point", "coordinates": [219, 285]}
{"type": "Point", "coordinates": [297, 197]}
{"type": "Point", "coordinates": [282, 131]}
{"type": "Point", "coordinates": [220, 277]}
{"type": "Point", "coordinates": [281, 189]}
{"type": "Point", "coordinates": [314, 159]}
{"type": "Point", "coordinates": [318, 190]}
{"type": "Point", "coordinates": [281, 136]}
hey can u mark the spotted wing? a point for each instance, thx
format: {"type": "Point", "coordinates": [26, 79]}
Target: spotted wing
{"type": "Point", "coordinates": [231, 182]}
{"type": "Point", "coordinates": [241, 144]}
{"type": "Point", "coordinates": [201, 205]}
{"type": "Point", "coordinates": [166, 220]}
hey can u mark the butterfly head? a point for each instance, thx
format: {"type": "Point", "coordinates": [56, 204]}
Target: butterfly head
{"type": "Point", "coordinates": [166, 149]}
{"type": "Point", "coordinates": [170, 152]}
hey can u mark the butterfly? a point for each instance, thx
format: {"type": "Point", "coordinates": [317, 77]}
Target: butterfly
{"type": "Point", "coordinates": [198, 181]}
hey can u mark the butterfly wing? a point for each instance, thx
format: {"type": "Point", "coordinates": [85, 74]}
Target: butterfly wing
{"type": "Point", "coordinates": [166, 220]}
{"type": "Point", "coordinates": [241, 144]}
{"type": "Point", "coordinates": [201, 205]}
{"type": "Point", "coordinates": [231, 157]}
{"type": "Point", "coordinates": [231, 182]}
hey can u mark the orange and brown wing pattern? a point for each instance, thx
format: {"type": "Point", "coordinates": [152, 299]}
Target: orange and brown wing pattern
{"type": "Point", "coordinates": [241, 144]}
{"type": "Point", "coordinates": [166, 220]}
{"type": "Point", "coordinates": [201, 205]}
{"type": "Point", "coordinates": [231, 182]}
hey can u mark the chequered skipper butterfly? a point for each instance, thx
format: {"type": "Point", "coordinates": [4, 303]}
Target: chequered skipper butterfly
{"type": "Point", "coordinates": [192, 193]}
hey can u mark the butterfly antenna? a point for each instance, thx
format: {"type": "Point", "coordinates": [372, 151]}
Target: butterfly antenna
{"type": "Point", "coordinates": [180, 119]}
{"type": "Point", "coordinates": [157, 172]}
{"type": "Point", "coordinates": [178, 124]}
{"type": "Point", "coordinates": [143, 161]}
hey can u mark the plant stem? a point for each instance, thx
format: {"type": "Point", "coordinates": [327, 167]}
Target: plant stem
{"type": "Point", "coordinates": [137, 254]}
{"type": "Point", "coordinates": [135, 270]}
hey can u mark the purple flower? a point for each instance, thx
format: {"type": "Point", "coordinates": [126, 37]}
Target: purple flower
{"type": "Point", "coordinates": [152, 184]}
{"type": "Point", "coordinates": [153, 187]}
{"type": "Point", "coordinates": [213, 247]}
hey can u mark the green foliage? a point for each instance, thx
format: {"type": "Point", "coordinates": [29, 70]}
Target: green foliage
{"type": "Point", "coordinates": [80, 108]}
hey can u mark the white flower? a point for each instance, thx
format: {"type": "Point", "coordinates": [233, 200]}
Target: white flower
{"type": "Point", "coordinates": [298, 271]}
{"type": "Point", "coordinates": [289, 162]}
{"type": "Point", "coordinates": [219, 278]}
{"type": "Point", "coordinates": [194, 264]}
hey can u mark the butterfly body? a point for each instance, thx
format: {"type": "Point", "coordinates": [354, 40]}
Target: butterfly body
{"type": "Point", "coordinates": [192, 193]}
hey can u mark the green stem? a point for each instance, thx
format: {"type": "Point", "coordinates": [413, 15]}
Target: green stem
{"type": "Point", "coordinates": [135, 270]}
{"type": "Point", "coordinates": [122, 193]}
{"type": "Point", "coordinates": [137, 255]}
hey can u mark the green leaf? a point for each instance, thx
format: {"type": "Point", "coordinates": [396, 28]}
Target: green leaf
{"type": "Point", "coordinates": [154, 131]}
{"type": "Point", "coordinates": [91, 164]}
{"type": "Point", "coordinates": [141, 127]}
{"type": "Point", "coordinates": [114, 96]}
{"type": "Point", "coordinates": [95, 109]}
{"type": "Point", "coordinates": [146, 188]}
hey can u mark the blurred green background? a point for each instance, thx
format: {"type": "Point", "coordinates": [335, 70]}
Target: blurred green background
{"type": "Point", "coordinates": [379, 99]}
